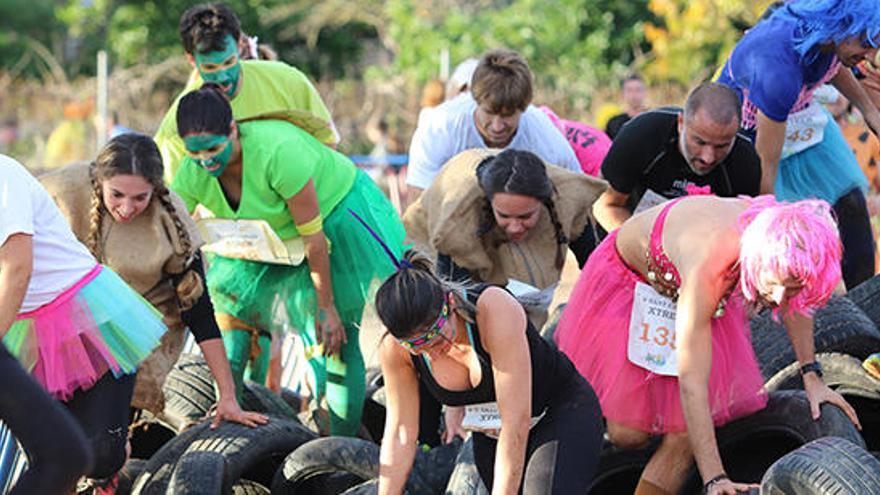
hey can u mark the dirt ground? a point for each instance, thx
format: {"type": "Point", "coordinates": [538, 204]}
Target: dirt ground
{"type": "Point", "coordinates": [371, 328]}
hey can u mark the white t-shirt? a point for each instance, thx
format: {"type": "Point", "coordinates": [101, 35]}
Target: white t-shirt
{"type": "Point", "coordinates": [60, 260]}
{"type": "Point", "coordinates": [449, 129]}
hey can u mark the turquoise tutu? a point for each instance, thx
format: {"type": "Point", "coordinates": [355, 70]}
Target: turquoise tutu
{"type": "Point", "coordinates": [825, 171]}
{"type": "Point", "coordinates": [99, 324]}
{"type": "Point", "coordinates": [268, 296]}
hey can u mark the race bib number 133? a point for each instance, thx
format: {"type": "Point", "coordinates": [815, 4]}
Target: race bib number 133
{"type": "Point", "coordinates": [652, 332]}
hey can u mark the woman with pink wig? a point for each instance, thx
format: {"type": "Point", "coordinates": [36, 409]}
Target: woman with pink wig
{"type": "Point", "coordinates": [658, 322]}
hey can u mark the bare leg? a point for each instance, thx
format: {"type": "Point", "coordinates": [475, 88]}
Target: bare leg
{"type": "Point", "coordinates": [669, 465]}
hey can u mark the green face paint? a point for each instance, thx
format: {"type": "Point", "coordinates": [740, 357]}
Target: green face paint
{"type": "Point", "coordinates": [215, 164]}
{"type": "Point", "coordinates": [221, 67]}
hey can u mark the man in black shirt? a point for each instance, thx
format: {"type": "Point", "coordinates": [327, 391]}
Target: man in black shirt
{"type": "Point", "coordinates": [633, 92]}
{"type": "Point", "coordinates": [661, 154]}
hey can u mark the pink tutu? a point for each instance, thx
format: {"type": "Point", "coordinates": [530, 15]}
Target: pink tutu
{"type": "Point", "coordinates": [98, 325]}
{"type": "Point", "coordinates": [593, 334]}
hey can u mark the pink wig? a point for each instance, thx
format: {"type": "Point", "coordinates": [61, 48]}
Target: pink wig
{"type": "Point", "coordinates": [790, 240]}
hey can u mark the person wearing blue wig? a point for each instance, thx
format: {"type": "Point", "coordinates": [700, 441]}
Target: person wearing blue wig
{"type": "Point", "coordinates": [775, 68]}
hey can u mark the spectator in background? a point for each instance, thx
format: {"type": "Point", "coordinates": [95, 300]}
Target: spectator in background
{"type": "Point", "coordinates": [499, 114]}
{"type": "Point", "coordinates": [634, 94]}
{"type": "Point", "coordinates": [665, 153]}
{"type": "Point", "coordinates": [863, 142]}
{"type": "Point", "coordinates": [432, 96]}
{"type": "Point", "coordinates": [8, 135]}
{"type": "Point", "coordinates": [71, 140]}
{"type": "Point", "coordinates": [590, 145]}
{"type": "Point", "coordinates": [211, 35]}
{"type": "Point", "coordinates": [460, 80]}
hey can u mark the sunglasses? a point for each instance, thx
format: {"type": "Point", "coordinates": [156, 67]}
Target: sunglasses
{"type": "Point", "coordinates": [425, 339]}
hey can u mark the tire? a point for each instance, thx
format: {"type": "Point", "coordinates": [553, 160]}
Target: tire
{"type": "Point", "coordinates": [324, 456]}
{"type": "Point", "coordinates": [128, 474]}
{"type": "Point", "coordinates": [259, 398]}
{"type": "Point", "coordinates": [867, 297]}
{"type": "Point", "coordinates": [827, 465]}
{"type": "Point", "coordinates": [465, 480]}
{"type": "Point", "coordinates": [189, 392]}
{"type": "Point", "coordinates": [435, 466]}
{"type": "Point", "coordinates": [247, 487]}
{"type": "Point", "coordinates": [549, 330]}
{"type": "Point", "coordinates": [751, 444]}
{"type": "Point", "coordinates": [251, 453]}
{"type": "Point", "coordinates": [839, 371]}
{"type": "Point", "coordinates": [839, 327]}
{"type": "Point", "coordinates": [620, 469]}
{"type": "Point", "coordinates": [199, 473]}
{"type": "Point", "coordinates": [366, 488]}
{"type": "Point", "coordinates": [149, 435]}
{"type": "Point", "coordinates": [292, 399]}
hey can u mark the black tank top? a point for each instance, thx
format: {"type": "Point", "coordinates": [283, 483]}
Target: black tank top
{"type": "Point", "coordinates": [551, 370]}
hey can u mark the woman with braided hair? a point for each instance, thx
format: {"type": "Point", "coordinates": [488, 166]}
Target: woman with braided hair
{"type": "Point", "coordinates": [121, 210]}
{"type": "Point", "coordinates": [521, 215]}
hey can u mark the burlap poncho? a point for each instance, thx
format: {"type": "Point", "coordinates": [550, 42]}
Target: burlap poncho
{"type": "Point", "coordinates": [447, 216]}
{"type": "Point", "coordinates": [146, 252]}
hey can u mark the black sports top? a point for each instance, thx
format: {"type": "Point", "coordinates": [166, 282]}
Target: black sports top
{"type": "Point", "coordinates": [551, 370]}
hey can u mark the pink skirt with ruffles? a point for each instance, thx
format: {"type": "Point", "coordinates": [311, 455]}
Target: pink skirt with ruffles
{"type": "Point", "coordinates": [98, 325]}
{"type": "Point", "coordinates": [593, 334]}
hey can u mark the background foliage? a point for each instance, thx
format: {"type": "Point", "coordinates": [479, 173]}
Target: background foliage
{"type": "Point", "coordinates": [369, 57]}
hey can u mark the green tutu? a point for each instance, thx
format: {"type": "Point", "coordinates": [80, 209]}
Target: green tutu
{"type": "Point", "coordinates": [269, 296]}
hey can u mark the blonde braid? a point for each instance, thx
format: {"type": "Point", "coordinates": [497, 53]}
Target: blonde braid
{"type": "Point", "coordinates": [96, 215]}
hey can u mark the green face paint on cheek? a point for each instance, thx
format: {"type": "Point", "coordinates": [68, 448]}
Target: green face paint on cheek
{"type": "Point", "coordinates": [220, 69]}
{"type": "Point", "coordinates": [216, 164]}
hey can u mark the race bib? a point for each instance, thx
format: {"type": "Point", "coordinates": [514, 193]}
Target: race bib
{"type": "Point", "coordinates": [486, 418]}
{"type": "Point", "coordinates": [649, 200]}
{"type": "Point", "coordinates": [804, 129]}
{"type": "Point", "coordinates": [652, 332]}
{"type": "Point", "coordinates": [249, 240]}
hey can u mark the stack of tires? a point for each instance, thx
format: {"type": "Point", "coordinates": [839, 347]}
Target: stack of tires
{"type": "Point", "coordinates": [178, 452]}
{"type": "Point", "coordinates": [780, 447]}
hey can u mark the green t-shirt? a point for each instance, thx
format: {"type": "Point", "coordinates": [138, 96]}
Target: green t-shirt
{"type": "Point", "coordinates": [278, 159]}
{"type": "Point", "coordinates": [267, 87]}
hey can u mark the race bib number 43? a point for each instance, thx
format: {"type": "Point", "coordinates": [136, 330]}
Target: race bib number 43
{"type": "Point", "coordinates": [652, 331]}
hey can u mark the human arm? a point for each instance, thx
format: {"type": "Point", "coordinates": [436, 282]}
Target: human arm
{"type": "Point", "coordinates": [199, 318]}
{"type": "Point", "coordinates": [768, 144]}
{"type": "Point", "coordinates": [610, 210]}
{"type": "Point", "coordinates": [400, 438]}
{"type": "Point", "coordinates": [16, 266]}
{"type": "Point", "coordinates": [800, 332]}
{"type": "Point", "coordinates": [303, 207]}
{"type": "Point", "coordinates": [502, 324]}
{"type": "Point", "coordinates": [850, 87]}
{"type": "Point", "coordinates": [703, 286]}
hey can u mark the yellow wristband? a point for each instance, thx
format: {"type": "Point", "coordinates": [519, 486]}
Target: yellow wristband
{"type": "Point", "coordinates": [311, 227]}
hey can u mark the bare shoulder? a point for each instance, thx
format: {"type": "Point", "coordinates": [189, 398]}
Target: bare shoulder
{"type": "Point", "coordinates": [498, 314]}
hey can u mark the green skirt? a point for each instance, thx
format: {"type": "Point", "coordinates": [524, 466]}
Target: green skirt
{"type": "Point", "coordinates": [271, 297]}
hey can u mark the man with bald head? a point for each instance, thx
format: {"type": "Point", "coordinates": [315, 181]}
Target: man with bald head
{"type": "Point", "coordinates": [670, 152]}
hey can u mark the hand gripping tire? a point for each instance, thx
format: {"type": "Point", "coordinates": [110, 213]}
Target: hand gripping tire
{"type": "Point", "coordinates": [751, 444]}
{"type": "Point", "coordinates": [828, 465]}
{"type": "Point", "coordinates": [250, 453]}
{"type": "Point", "coordinates": [748, 446]}
{"type": "Point", "coordinates": [839, 327]}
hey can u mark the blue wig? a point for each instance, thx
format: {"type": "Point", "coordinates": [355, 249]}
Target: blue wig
{"type": "Point", "coordinates": [823, 21]}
